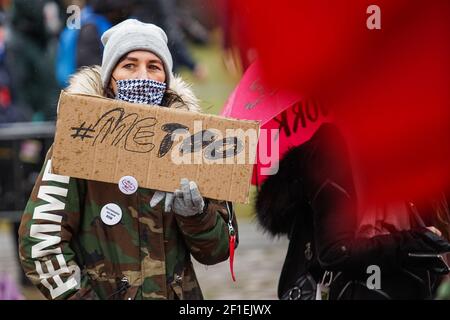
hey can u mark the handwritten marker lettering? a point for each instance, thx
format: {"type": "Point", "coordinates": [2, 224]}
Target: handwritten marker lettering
{"type": "Point", "coordinates": [80, 129]}
{"type": "Point", "coordinates": [117, 128]}
{"type": "Point", "coordinates": [135, 134]}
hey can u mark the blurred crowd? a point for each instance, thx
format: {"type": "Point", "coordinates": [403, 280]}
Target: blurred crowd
{"type": "Point", "coordinates": [42, 42]}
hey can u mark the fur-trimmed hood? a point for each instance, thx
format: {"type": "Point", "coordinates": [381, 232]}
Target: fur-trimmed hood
{"type": "Point", "coordinates": [88, 81]}
{"type": "Point", "coordinates": [301, 173]}
{"type": "Point", "coordinates": [277, 202]}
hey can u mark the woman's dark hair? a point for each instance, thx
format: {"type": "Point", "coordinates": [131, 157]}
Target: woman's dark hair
{"type": "Point", "coordinates": [171, 97]}
{"type": "Point", "coordinates": [109, 93]}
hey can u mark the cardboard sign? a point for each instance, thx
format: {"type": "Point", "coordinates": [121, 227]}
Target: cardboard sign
{"type": "Point", "coordinates": [103, 139]}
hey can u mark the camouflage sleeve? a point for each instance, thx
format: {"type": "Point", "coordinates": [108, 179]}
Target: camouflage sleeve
{"type": "Point", "coordinates": [206, 234]}
{"type": "Point", "coordinates": [50, 220]}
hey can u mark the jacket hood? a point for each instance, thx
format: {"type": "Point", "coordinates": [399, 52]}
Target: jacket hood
{"type": "Point", "coordinates": [302, 172]}
{"type": "Point", "coordinates": [277, 202]}
{"type": "Point", "coordinates": [88, 81]}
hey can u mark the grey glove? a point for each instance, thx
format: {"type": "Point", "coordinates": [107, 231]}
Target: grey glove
{"type": "Point", "coordinates": [158, 196]}
{"type": "Point", "coordinates": [188, 201]}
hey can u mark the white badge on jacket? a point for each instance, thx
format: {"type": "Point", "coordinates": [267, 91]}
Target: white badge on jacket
{"type": "Point", "coordinates": [111, 214]}
{"type": "Point", "coordinates": [128, 184]}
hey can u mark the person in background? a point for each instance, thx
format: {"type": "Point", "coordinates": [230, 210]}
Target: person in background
{"type": "Point", "coordinates": [83, 47]}
{"type": "Point", "coordinates": [334, 242]}
{"type": "Point", "coordinates": [9, 111]}
{"type": "Point", "coordinates": [166, 14]}
{"type": "Point", "coordinates": [33, 82]}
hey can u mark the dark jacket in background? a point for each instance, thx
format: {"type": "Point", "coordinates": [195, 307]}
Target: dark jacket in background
{"type": "Point", "coordinates": [312, 200]}
{"type": "Point", "coordinates": [89, 45]}
{"type": "Point", "coordinates": [31, 60]}
{"type": "Point", "coordinates": [164, 13]}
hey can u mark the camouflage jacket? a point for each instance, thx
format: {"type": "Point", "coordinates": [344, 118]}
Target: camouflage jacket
{"type": "Point", "coordinates": [69, 253]}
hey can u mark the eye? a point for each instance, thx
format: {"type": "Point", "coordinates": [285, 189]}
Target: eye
{"type": "Point", "coordinates": [128, 66]}
{"type": "Point", "coordinates": [154, 67]}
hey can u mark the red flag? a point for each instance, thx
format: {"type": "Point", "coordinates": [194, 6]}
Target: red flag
{"type": "Point", "coordinates": [388, 87]}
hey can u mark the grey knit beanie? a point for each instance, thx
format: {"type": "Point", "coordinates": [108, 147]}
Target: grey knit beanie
{"type": "Point", "coordinates": [131, 35]}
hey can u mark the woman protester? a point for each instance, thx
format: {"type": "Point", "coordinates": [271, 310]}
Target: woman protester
{"type": "Point", "coordinates": [69, 250]}
{"type": "Point", "coordinates": [391, 251]}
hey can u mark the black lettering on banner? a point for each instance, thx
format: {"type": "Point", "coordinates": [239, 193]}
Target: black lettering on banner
{"type": "Point", "coordinates": [304, 112]}
{"type": "Point", "coordinates": [116, 125]}
{"type": "Point", "coordinates": [141, 136]}
{"type": "Point", "coordinates": [197, 141]}
{"type": "Point", "coordinates": [227, 147]}
{"type": "Point", "coordinates": [167, 141]}
{"type": "Point", "coordinates": [136, 135]}
{"type": "Point", "coordinates": [312, 112]}
{"type": "Point", "coordinates": [297, 109]}
{"type": "Point", "coordinates": [83, 129]}
{"type": "Point", "coordinates": [283, 123]}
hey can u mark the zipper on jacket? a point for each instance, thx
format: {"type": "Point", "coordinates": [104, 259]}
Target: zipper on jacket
{"type": "Point", "coordinates": [122, 288]}
{"type": "Point", "coordinates": [230, 220]}
{"type": "Point", "coordinates": [232, 239]}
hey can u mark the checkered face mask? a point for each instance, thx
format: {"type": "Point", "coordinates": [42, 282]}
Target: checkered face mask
{"type": "Point", "coordinates": [145, 91]}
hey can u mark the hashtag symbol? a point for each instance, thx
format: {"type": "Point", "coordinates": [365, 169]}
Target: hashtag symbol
{"type": "Point", "coordinates": [82, 132]}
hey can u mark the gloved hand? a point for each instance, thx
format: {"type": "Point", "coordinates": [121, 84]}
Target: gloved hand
{"type": "Point", "coordinates": [188, 201]}
{"type": "Point", "coordinates": [158, 196]}
{"type": "Point", "coordinates": [430, 242]}
{"type": "Point", "coordinates": [424, 250]}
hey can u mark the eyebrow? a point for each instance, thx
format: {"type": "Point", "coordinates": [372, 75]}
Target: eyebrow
{"type": "Point", "coordinates": [131, 58]}
{"type": "Point", "coordinates": [136, 59]}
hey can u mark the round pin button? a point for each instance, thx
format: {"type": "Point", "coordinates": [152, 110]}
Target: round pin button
{"type": "Point", "coordinates": [128, 185]}
{"type": "Point", "coordinates": [111, 214]}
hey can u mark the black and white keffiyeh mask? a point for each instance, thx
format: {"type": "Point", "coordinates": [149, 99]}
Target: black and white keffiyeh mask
{"type": "Point", "coordinates": [145, 91]}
